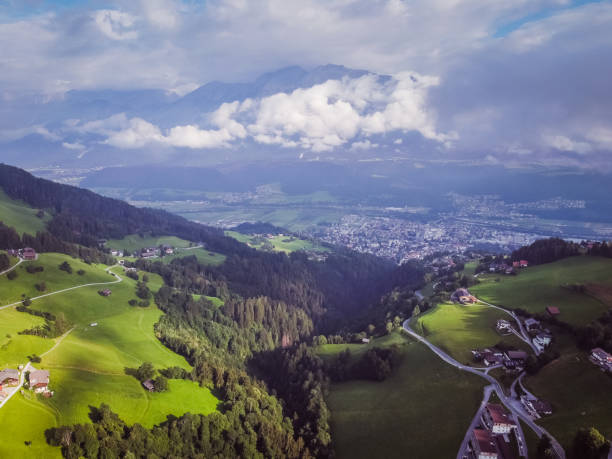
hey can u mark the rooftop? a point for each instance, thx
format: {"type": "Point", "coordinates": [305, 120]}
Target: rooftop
{"type": "Point", "coordinates": [498, 414]}
{"type": "Point", "coordinates": [486, 442]}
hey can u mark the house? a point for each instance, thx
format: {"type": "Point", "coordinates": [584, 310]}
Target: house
{"type": "Point", "coordinates": [523, 263]}
{"type": "Point", "coordinates": [516, 264]}
{"type": "Point", "coordinates": [148, 253]}
{"type": "Point", "coordinates": [492, 358]}
{"type": "Point", "coordinates": [365, 340]}
{"type": "Point", "coordinates": [532, 324]}
{"type": "Point", "coordinates": [148, 385]}
{"type": "Point", "coordinates": [39, 380]}
{"type": "Point", "coordinates": [462, 296]}
{"type": "Point", "coordinates": [12, 253]}
{"type": "Point", "coordinates": [541, 341]}
{"type": "Point", "coordinates": [535, 407]}
{"type": "Point", "coordinates": [9, 377]}
{"type": "Point", "coordinates": [168, 250]}
{"type": "Point", "coordinates": [553, 311]}
{"type": "Point", "coordinates": [497, 419]}
{"type": "Point", "coordinates": [28, 253]}
{"type": "Point", "coordinates": [116, 253]}
{"type": "Point", "coordinates": [601, 358]}
{"type": "Point", "coordinates": [483, 444]}
{"type": "Point", "coordinates": [105, 292]}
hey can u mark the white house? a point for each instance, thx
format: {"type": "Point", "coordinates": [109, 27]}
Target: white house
{"type": "Point", "coordinates": [541, 341]}
{"type": "Point", "coordinates": [498, 419]}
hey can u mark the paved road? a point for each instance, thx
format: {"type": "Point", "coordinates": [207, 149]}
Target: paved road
{"type": "Point", "coordinates": [16, 389]}
{"type": "Point", "coordinates": [475, 422]}
{"type": "Point", "coordinates": [12, 267]}
{"type": "Point", "coordinates": [117, 280]}
{"type": "Point", "coordinates": [514, 408]}
{"type": "Point", "coordinates": [419, 295]}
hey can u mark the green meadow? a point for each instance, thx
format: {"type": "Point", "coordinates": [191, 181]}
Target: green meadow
{"type": "Point", "coordinates": [88, 366]}
{"type": "Point", "coordinates": [579, 393]}
{"type": "Point", "coordinates": [279, 243]}
{"type": "Point", "coordinates": [206, 257]}
{"type": "Point", "coordinates": [540, 286]}
{"type": "Point", "coordinates": [421, 411]}
{"type": "Point", "coordinates": [135, 242]}
{"type": "Point", "coordinates": [20, 215]}
{"type": "Point", "coordinates": [55, 279]}
{"type": "Point", "coordinates": [457, 329]}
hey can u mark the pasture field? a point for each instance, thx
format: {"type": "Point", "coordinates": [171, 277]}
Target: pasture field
{"type": "Point", "coordinates": [579, 393]}
{"type": "Point", "coordinates": [135, 242]}
{"type": "Point", "coordinates": [14, 348]}
{"type": "Point", "coordinates": [55, 279]}
{"type": "Point", "coordinates": [88, 366]}
{"type": "Point", "coordinates": [540, 286]}
{"type": "Point", "coordinates": [206, 257]}
{"type": "Point", "coordinates": [279, 243]}
{"type": "Point", "coordinates": [403, 415]}
{"type": "Point", "coordinates": [20, 215]}
{"type": "Point", "coordinates": [457, 329]}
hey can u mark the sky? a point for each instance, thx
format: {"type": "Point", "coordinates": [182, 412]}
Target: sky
{"type": "Point", "coordinates": [496, 82]}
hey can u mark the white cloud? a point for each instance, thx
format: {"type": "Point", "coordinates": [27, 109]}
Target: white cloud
{"type": "Point", "coordinates": [8, 135]}
{"type": "Point", "coordinates": [115, 24]}
{"type": "Point", "coordinates": [161, 13]}
{"type": "Point", "coordinates": [563, 143]}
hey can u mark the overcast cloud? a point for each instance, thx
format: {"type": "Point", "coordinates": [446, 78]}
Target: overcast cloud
{"type": "Point", "coordinates": [512, 82]}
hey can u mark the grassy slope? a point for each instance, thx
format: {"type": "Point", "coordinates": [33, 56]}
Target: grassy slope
{"type": "Point", "coordinates": [540, 286]}
{"type": "Point", "coordinates": [280, 243]}
{"type": "Point", "coordinates": [421, 411]}
{"type": "Point", "coordinates": [135, 242]}
{"type": "Point", "coordinates": [88, 367]}
{"type": "Point", "coordinates": [55, 279]}
{"type": "Point", "coordinates": [458, 329]}
{"type": "Point", "coordinates": [204, 256]}
{"type": "Point", "coordinates": [20, 215]}
{"type": "Point", "coordinates": [579, 392]}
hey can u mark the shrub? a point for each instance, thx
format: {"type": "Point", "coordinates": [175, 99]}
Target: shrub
{"type": "Point", "coordinates": [65, 266]}
{"type": "Point", "coordinates": [12, 275]}
{"type": "Point", "coordinates": [81, 272]}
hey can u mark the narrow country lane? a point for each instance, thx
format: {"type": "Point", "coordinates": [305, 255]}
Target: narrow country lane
{"type": "Point", "coordinates": [513, 408]}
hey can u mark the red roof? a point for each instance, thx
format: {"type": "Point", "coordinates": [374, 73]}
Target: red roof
{"type": "Point", "coordinates": [485, 441]}
{"type": "Point", "coordinates": [553, 310]}
{"type": "Point", "coordinates": [498, 414]}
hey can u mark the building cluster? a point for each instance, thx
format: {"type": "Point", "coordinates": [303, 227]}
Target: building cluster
{"type": "Point", "coordinates": [27, 253]}
{"type": "Point", "coordinates": [491, 439]}
{"type": "Point", "coordinates": [541, 337]}
{"type": "Point", "coordinates": [511, 360]}
{"type": "Point", "coordinates": [36, 380]}
{"type": "Point", "coordinates": [463, 296]}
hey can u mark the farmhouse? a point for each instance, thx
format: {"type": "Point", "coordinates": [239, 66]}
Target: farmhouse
{"type": "Point", "coordinates": [28, 253]}
{"type": "Point", "coordinates": [553, 311]}
{"type": "Point", "coordinates": [535, 407]}
{"type": "Point", "coordinates": [148, 385]}
{"type": "Point", "coordinates": [497, 419]}
{"type": "Point", "coordinates": [523, 263]}
{"type": "Point", "coordinates": [168, 250]}
{"type": "Point", "coordinates": [105, 292]}
{"type": "Point", "coordinates": [462, 296]}
{"type": "Point", "coordinates": [39, 380]}
{"type": "Point", "coordinates": [503, 326]}
{"type": "Point", "coordinates": [492, 358]}
{"type": "Point", "coordinates": [532, 324]}
{"type": "Point", "coordinates": [483, 444]}
{"type": "Point", "coordinates": [9, 377]}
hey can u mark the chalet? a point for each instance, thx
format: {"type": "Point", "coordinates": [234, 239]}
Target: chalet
{"type": "Point", "coordinates": [462, 296]}
{"type": "Point", "coordinates": [28, 253]}
{"type": "Point", "coordinates": [498, 419]}
{"type": "Point", "coordinates": [39, 380]}
{"type": "Point", "coordinates": [542, 340]}
{"type": "Point", "coordinates": [148, 385]}
{"type": "Point", "coordinates": [553, 311]}
{"type": "Point", "coordinates": [514, 359]}
{"type": "Point", "coordinates": [365, 340]}
{"type": "Point", "coordinates": [535, 407]}
{"type": "Point", "coordinates": [483, 444]}
{"type": "Point", "coordinates": [13, 252]}
{"type": "Point", "coordinates": [9, 377]}
{"type": "Point", "coordinates": [523, 263]}
{"type": "Point", "coordinates": [492, 358]}
{"type": "Point", "coordinates": [116, 253]}
{"type": "Point", "coordinates": [532, 324]}
{"type": "Point", "coordinates": [168, 250]}
{"type": "Point", "coordinates": [148, 254]}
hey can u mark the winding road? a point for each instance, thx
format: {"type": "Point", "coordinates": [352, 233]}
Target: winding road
{"type": "Point", "coordinates": [6, 271]}
{"type": "Point", "coordinates": [514, 408]}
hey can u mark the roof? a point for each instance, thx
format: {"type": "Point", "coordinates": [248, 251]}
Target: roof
{"type": "Point", "coordinates": [516, 355]}
{"type": "Point", "coordinates": [9, 373]}
{"type": "Point", "coordinates": [531, 321]}
{"type": "Point", "coordinates": [498, 414]}
{"type": "Point", "coordinates": [29, 249]}
{"type": "Point", "coordinates": [599, 352]}
{"type": "Point", "coordinates": [39, 377]}
{"type": "Point", "coordinates": [148, 384]}
{"type": "Point", "coordinates": [485, 441]}
{"type": "Point", "coordinates": [553, 310]}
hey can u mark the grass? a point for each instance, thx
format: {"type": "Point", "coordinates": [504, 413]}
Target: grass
{"type": "Point", "coordinates": [531, 439]}
{"type": "Point", "coordinates": [204, 256]}
{"type": "Point", "coordinates": [135, 242]}
{"type": "Point", "coordinates": [20, 215]}
{"type": "Point", "coordinates": [457, 329]}
{"type": "Point", "coordinates": [88, 366]}
{"type": "Point", "coordinates": [421, 411]}
{"type": "Point", "coordinates": [579, 393]}
{"type": "Point", "coordinates": [540, 286]}
{"type": "Point", "coordinates": [284, 243]}
{"type": "Point", "coordinates": [15, 348]}
{"type": "Point", "coordinates": [55, 279]}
